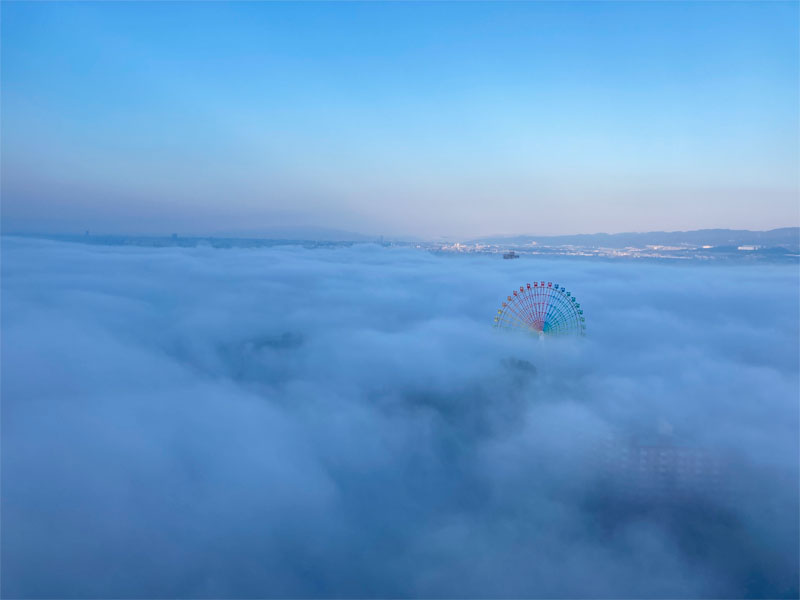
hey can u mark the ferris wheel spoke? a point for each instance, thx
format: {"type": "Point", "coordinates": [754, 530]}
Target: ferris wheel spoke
{"type": "Point", "coordinates": [559, 314]}
{"type": "Point", "coordinates": [550, 303]}
{"type": "Point", "coordinates": [555, 315]}
{"type": "Point", "coordinates": [528, 299]}
{"type": "Point", "coordinates": [524, 301]}
{"type": "Point", "coordinates": [562, 303]}
{"type": "Point", "coordinates": [556, 311]}
{"type": "Point", "coordinates": [556, 320]}
{"type": "Point", "coordinates": [516, 325]}
{"type": "Point", "coordinates": [508, 314]}
{"type": "Point", "coordinates": [512, 318]}
{"type": "Point", "coordinates": [541, 303]}
{"type": "Point", "coordinates": [522, 308]}
{"type": "Point", "coordinates": [571, 310]}
{"type": "Point", "coordinates": [518, 310]}
{"type": "Point", "coordinates": [512, 322]}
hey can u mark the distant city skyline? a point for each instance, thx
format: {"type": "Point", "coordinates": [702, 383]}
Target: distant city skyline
{"type": "Point", "coordinates": [399, 119]}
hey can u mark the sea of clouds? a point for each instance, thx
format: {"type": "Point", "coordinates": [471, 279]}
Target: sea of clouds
{"type": "Point", "coordinates": [292, 422]}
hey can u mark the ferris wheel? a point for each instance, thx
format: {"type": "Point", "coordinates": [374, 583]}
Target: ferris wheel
{"type": "Point", "coordinates": [543, 308]}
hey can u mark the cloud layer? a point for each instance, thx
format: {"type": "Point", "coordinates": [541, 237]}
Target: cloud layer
{"type": "Point", "coordinates": [288, 422]}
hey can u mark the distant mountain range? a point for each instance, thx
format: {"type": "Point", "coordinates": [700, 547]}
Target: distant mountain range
{"type": "Point", "coordinates": [296, 233]}
{"type": "Point", "coordinates": [787, 237]}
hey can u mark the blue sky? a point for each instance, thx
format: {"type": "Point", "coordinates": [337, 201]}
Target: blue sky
{"type": "Point", "coordinates": [424, 119]}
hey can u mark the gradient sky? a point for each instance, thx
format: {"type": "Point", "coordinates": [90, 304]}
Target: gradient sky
{"type": "Point", "coordinates": [423, 119]}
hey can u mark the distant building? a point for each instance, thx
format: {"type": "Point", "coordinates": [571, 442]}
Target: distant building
{"type": "Point", "coordinates": [747, 248]}
{"type": "Point", "coordinates": [659, 468]}
{"type": "Point", "coordinates": [511, 254]}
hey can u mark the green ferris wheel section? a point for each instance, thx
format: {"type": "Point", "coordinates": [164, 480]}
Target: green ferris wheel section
{"type": "Point", "coordinates": [542, 308]}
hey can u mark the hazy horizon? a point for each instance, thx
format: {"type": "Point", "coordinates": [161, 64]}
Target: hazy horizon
{"type": "Point", "coordinates": [320, 233]}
